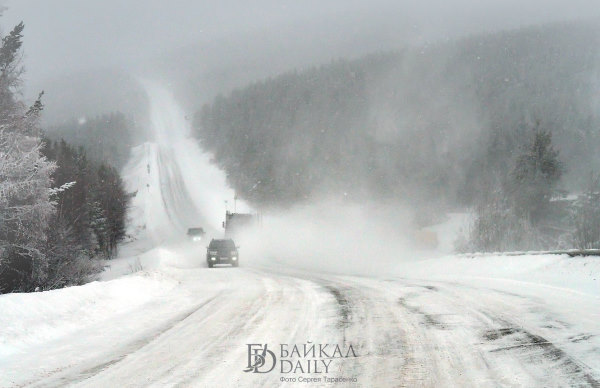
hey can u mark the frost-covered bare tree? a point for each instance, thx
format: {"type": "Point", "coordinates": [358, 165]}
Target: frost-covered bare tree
{"type": "Point", "coordinates": [587, 216]}
{"type": "Point", "coordinates": [26, 205]}
{"type": "Point", "coordinates": [497, 227]}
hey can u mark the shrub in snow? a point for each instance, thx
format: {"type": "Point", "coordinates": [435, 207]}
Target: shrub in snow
{"type": "Point", "coordinates": [496, 228]}
{"type": "Point", "coordinates": [586, 217]}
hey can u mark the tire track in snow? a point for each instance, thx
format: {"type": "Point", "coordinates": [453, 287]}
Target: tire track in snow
{"type": "Point", "coordinates": [534, 355]}
{"type": "Point", "coordinates": [369, 325]}
{"type": "Point", "coordinates": [177, 201]}
{"type": "Point", "coordinates": [515, 339]}
{"type": "Point", "coordinates": [120, 354]}
{"type": "Point", "coordinates": [292, 313]}
{"type": "Point", "coordinates": [191, 346]}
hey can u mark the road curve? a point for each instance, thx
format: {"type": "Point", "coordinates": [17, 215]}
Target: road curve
{"type": "Point", "coordinates": [405, 333]}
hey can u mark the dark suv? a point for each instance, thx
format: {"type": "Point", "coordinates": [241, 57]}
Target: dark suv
{"type": "Point", "coordinates": [222, 252]}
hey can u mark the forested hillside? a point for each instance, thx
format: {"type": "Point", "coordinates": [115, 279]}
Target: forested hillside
{"type": "Point", "coordinates": [443, 123]}
{"type": "Point", "coordinates": [92, 209]}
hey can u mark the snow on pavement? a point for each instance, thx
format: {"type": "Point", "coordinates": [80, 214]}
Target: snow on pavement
{"type": "Point", "coordinates": [168, 326]}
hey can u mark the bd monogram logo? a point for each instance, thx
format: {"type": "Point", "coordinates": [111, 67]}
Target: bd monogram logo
{"type": "Point", "coordinates": [260, 359]}
{"type": "Point", "coordinates": [298, 358]}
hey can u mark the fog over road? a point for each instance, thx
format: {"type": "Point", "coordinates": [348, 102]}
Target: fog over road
{"type": "Point", "coordinates": [405, 331]}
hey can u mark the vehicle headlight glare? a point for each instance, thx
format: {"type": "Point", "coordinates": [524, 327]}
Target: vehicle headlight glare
{"type": "Point", "coordinates": [213, 258]}
{"type": "Point", "coordinates": [234, 258]}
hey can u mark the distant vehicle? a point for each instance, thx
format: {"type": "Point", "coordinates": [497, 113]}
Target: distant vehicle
{"type": "Point", "coordinates": [222, 251]}
{"type": "Point", "coordinates": [236, 223]}
{"type": "Point", "coordinates": [196, 234]}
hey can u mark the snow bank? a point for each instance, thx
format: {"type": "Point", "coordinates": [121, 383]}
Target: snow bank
{"type": "Point", "coordinates": [30, 319]}
{"type": "Point", "coordinates": [576, 274]}
{"type": "Point", "coordinates": [572, 274]}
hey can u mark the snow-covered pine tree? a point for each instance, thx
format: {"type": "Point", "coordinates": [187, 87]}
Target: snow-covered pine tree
{"type": "Point", "coordinates": [26, 205]}
{"type": "Point", "coordinates": [535, 176]}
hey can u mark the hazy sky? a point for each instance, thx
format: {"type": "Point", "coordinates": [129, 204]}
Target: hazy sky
{"type": "Point", "coordinates": [69, 35]}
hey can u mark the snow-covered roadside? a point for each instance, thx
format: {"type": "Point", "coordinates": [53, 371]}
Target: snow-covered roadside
{"type": "Point", "coordinates": [576, 274]}
{"type": "Point", "coordinates": [580, 275]}
{"type": "Point", "coordinates": [129, 283]}
{"type": "Point", "coordinates": [30, 319]}
{"type": "Point", "coordinates": [179, 254]}
{"type": "Point", "coordinates": [82, 324]}
{"type": "Point", "coordinates": [98, 322]}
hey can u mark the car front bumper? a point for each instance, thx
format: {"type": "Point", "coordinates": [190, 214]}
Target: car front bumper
{"type": "Point", "coordinates": [221, 260]}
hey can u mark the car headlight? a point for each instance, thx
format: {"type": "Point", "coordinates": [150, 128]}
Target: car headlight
{"type": "Point", "coordinates": [234, 258]}
{"type": "Point", "coordinates": [213, 258]}
{"type": "Point", "coordinates": [197, 238]}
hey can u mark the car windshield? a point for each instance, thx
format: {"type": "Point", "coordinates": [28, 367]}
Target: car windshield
{"type": "Point", "coordinates": [222, 245]}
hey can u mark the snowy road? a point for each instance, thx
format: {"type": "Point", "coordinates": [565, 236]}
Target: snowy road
{"type": "Point", "coordinates": [452, 322]}
{"type": "Point", "coordinates": [405, 333]}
